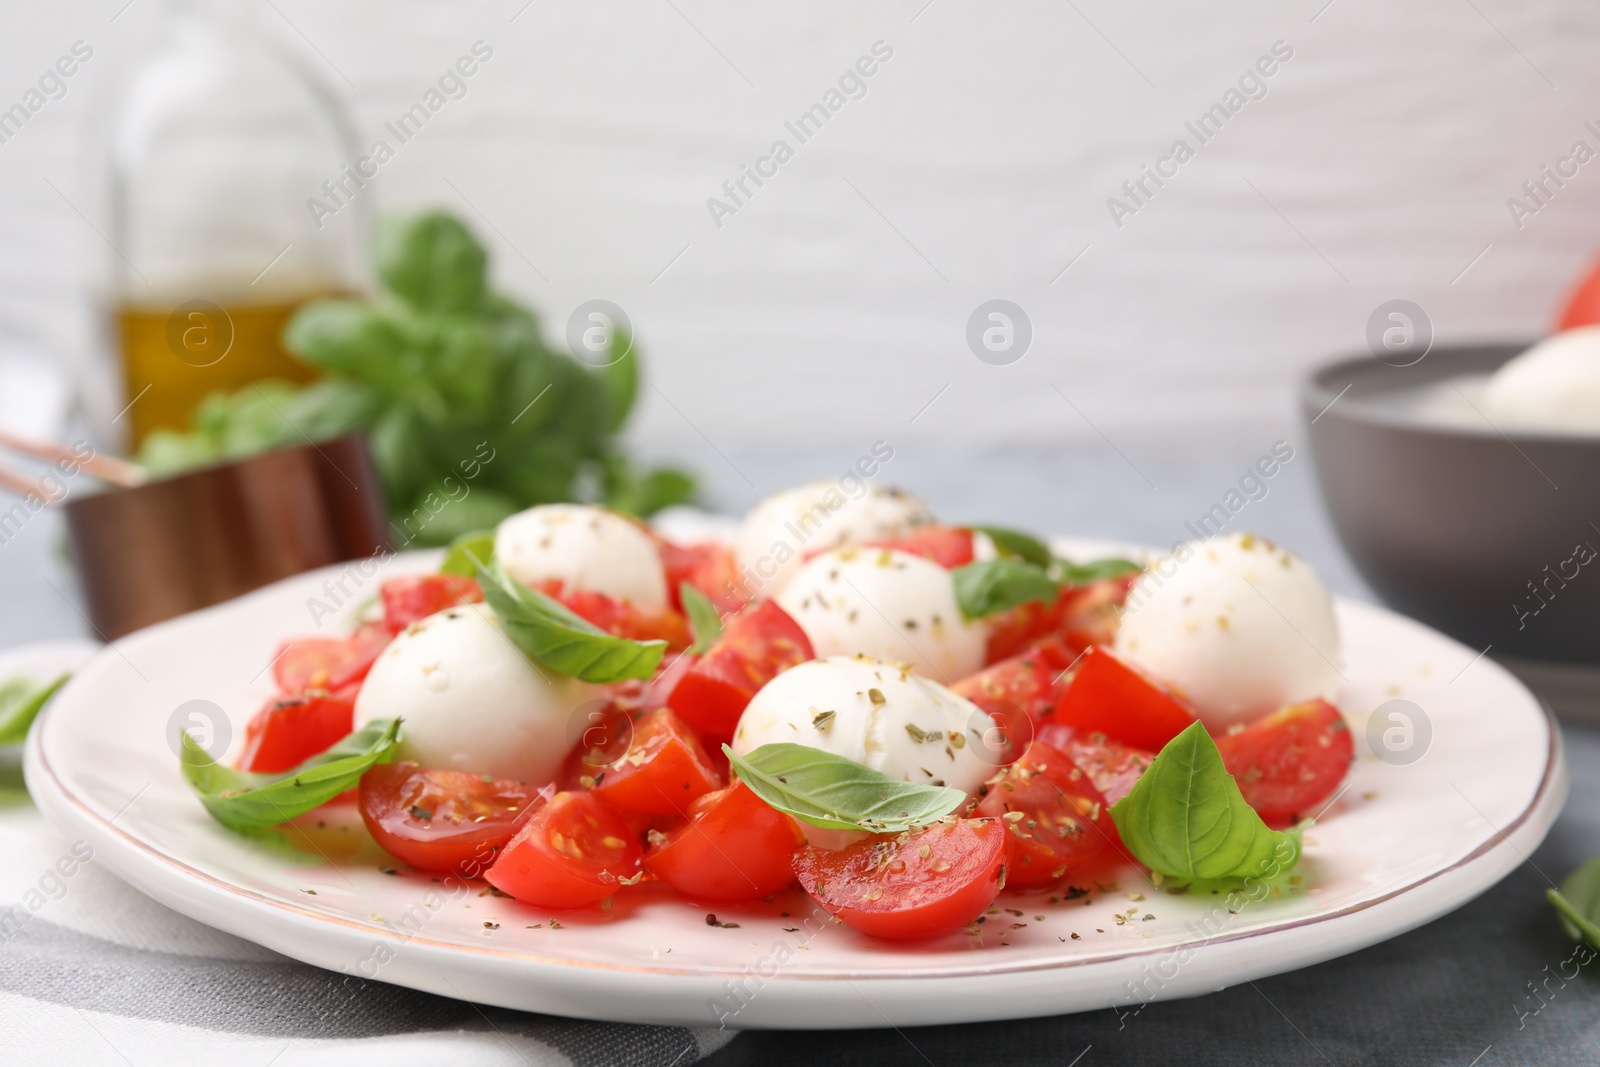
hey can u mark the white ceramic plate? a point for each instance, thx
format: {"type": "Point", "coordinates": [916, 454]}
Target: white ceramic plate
{"type": "Point", "coordinates": [1401, 845]}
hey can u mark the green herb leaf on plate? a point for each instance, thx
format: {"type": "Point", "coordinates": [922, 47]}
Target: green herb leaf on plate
{"type": "Point", "coordinates": [549, 633]}
{"type": "Point", "coordinates": [20, 703]}
{"type": "Point", "coordinates": [1083, 573]}
{"type": "Point", "coordinates": [1185, 818]}
{"type": "Point", "coordinates": [704, 622]}
{"type": "Point", "coordinates": [467, 552]}
{"type": "Point", "coordinates": [994, 585]}
{"type": "Point", "coordinates": [835, 793]}
{"type": "Point", "coordinates": [1578, 903]}
{"type": "Point", "coordinates": [243, 801]}
{"type": "Point", "coordinates": [1015, 543]}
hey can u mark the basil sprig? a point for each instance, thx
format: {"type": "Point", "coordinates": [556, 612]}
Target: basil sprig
{"type": "Point", "coordinates": [243, 801]}
{"type": "Point", "coordinates": [1025, 571]}
{"type": "Point", "coordinates": [835, 793]}
{"type": "Point", "coordinates": [1578, 903]}
{"type": "Point", "coordinates": [1186, 818]}
{"type": "Point", "coordinates": [704, 621]}
{"type": "Point", "coordinates": [556, 637]}
{"type": "Point", "coordinates": [20, 703]}
{"type": "Point", "coordinates": [467, 551]}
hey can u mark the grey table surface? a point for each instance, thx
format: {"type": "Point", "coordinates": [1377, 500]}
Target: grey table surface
{"type": "Point", "coordinates": [1461, 990]}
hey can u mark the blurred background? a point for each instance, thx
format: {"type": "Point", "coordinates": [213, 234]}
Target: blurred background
{"type": "Point", "coordinates": [785, 326]}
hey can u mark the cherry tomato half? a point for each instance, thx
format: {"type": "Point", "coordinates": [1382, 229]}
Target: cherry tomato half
{"type": "Point", "coordinates": [440, 820]}
{"type": "Point", "coordinates": [1054, 816]}
{"type": "Point", "coordinates": [328, 662]}
{"type": "Point", "coordinates": [576, 850]}
{"type": "Point", "coordinates": [1107, 696]}
{"type": "Point", "coordinates": [709, 568]}
{"type": "Point", "coordinates": [1290, 761]}
{"type": "Point", "coordinates": [662, 770]}
{"type": "Point", "coordinates": [948, 546]}
{"type": "Point", "coordinates": [414, 597]}
{"type": "Point", "coordinates": [734, 848]}
{"type": "Point", "coordinates": [1112, 767]}
{"type": "Point", "coordinates": [1026, 681]}
{"type": "Point", "coordinates": [757, 645]}
{"type": "Point", "coordinates": [288, 731]}
{"type": "Point", "coordinates": [908, 886]}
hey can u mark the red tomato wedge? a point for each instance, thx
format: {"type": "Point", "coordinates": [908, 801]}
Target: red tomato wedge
{"type": "Point", "coordinates": [439, 820]}
{"type": "Point", "coordinates": [709, 568]}
{"type": "Point", "coordinates": [948, 546]}
{"type": "Point", "coordinates": [1290, 761]}
{"type": "Point", "coordinates": [1081, 616]}
{"type": "Point", "coordinates": [623, 618]}
{"type": "Point", "coordinates": [734, 848]}
{"type": "Point", "coordinates": [661, 772]}
{"type": "Point", "coordinates": [1109, 697]}
{"type": "Point", "coordinates": [1054, 816]}
{"type": "Point", "coordinates": [756, 646]}
{"type": "Point", "coordinates": [576, 850]}
{"type": "Point", "coordinates": [328, 662]}
{"type": "Point", "coordinates": [908, 886]}
{"type": "Point", "coordinates": [1026, 681]}
{"type": "Point", "coordinates": [1112, 767]}
{"type": "Point", "coordinates": [288, 731]}
{"type": "Point", "coordinates": [414, 597]}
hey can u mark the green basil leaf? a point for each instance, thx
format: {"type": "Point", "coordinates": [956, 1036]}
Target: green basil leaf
{"type": "Point", "coordinates": [20, 703]}
{"type": "Point", "coordinates": [1083, 573]}
{"type": "Point", "coordinates": [1015, 543]}
{"type": "Point", "coordinates": [704, 621]}
{"type": "Point", "coordinates": [243, 801]}
{"type": "Point", "coordinates": [620, 377]}
{"type": "Point", "coordinates": [995, 585]}
{"type": "Point", "coordinates": [1185, 818]}
{"type": "Point", "coordinates": [1578, 903]}
{"type": "Point", "coordinates": [557, 638]}
{"type": "Point", "coordinates": [835, 793]}
{"type": "Point", "coordinates": [431, 261]}
{"type": "Point", "coordinates": [351, 337]}
{"type": "Point", "coordinates": [467, 552]}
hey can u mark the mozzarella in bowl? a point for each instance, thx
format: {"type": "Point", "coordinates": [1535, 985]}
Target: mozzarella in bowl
{"type": "Point", "coordinates": [886, 604]}
{"type": "Point", "coordinates": [1236, 625]}
{"type": "Point", "coordinates": [583, 547]}
{"type": "Point", "coordinates": [881, 715]}
{"type": "Point", "coordinates": [777, 533]}
{"type": "Point", "coordinates": [470, 700]}
{"type": "Point", "coordinates": [1552, 387]}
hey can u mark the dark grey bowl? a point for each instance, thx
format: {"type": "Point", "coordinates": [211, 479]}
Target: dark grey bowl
{"type": "Point", "coordinates": [1478, 533]}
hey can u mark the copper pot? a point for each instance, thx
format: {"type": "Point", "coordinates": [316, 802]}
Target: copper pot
{"type": "Point", "coordinates": [154, 551]}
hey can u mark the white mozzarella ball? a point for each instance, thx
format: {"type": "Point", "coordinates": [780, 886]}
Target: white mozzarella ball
{"type": "Point", "coordinates": [886, 604]}
{"type": "Point", "coordinates": [780, 531]}
{"type": "Point", "coordinates": [584, 547]}
{"type": "Point", "coordinates": [1236, 625]}
{"type": "Point", "coordinates": [881, 715]}
{"type": "Point", "coordinates": [470, 700]}
{"type": "Point", "coordinates": [1553, 386]}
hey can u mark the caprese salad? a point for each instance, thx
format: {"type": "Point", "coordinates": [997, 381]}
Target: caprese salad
{"type": "Point", "coordinates": [903, 716]}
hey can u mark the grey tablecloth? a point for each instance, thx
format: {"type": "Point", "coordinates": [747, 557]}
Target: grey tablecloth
{"type": "Point", "coordinates": [103, 975]}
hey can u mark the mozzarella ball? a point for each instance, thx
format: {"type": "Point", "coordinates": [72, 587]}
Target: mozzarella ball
{"type": "Point", "coordinates": [1553, 386]}
{"type": "Point", "coordinates": [886, 604]}
{"type": "Point", "coordinates": [881, 715]}
{"type": "Point", "coordinates": [780, 531]}
{"type": "Point", "coordinates": [1236, 625]}
{"type": "Point", "coordinates": [583, 547]}
{"type": "Point", "coordinates": [470, 700]}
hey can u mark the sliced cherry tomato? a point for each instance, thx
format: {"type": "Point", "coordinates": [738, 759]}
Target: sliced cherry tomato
{"type": "Point", "coordinates": [1026, 681]}
{"type": "Point", "coordinates": [623, 618]}
{"type": "Point", "coordinates": [1291, 760]}
{"type": "Point", "coordinates": [662, 770]}
{"type": "Point", "coordinates": [1012, 632]}
{"type": "Point", "coordinates": [576, 850]}
{"type": "Point", "coordinates": [438, 820]}
{"type": "Point", "coordinates": [328, 662]}
{"type": "Point", "coordinates": [710, 568]}
{"type": "Point", "coordinates": [1112, 767]}
{"type": "Point", "coordinates": [1083, 615]}
{"type": "Point", "coordinates": [734, 848]}
{"type": "Point", "coordinates": [1054, 816]}
{"type": "Point", "coordinates": [948, 546]}
{"type": "Point", "coordinates": [1107, 696]}
{"type": "Point", "coordinates": [757, 645]}
{"type": "Point", "coordinates": [414, 597]}
{"type": "Point", "coordinates": [908, 886]}
{"type": "Point", "coordinates": [288, 731]}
